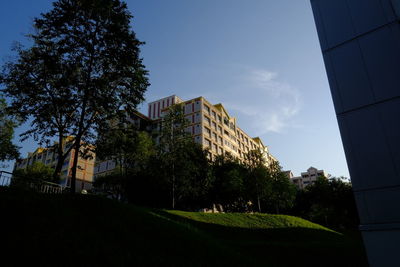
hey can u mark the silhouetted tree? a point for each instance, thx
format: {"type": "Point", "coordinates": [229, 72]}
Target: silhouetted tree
{"type": "Point", "coordinates": [130, 149]}
{"type": "Point", "coordinates": [283, 192]}
{"type": "Point", "coordinates": [83, 67]}
{"type": "Point", "coordinates": [228, 183]}
{"type": "Point", "coordinates": [33, 175]}
{"type": "Point", "coordinates": [258, 182]}
{"type": "Point", "coordinates": [173, 139]}
{"type": "Point", "coordinates": [329, 202]}
{"type": "Point", "coordinates": [8, 150]}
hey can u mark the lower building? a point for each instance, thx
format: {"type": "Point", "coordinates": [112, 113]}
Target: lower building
{"type": "Point", "coordinates": [48, 156]}
{"type": "Point", "coordinates": [307, 178]}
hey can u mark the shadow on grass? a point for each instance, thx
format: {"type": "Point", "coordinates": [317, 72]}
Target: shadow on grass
{"type": "Point", "coordinates": [78, 230]}
{"type": "Point", "coordinates": [285, 246]}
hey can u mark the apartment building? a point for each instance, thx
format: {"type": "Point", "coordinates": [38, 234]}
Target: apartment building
{"type": "Point", "coordinates": [156, 108]}
{"type": "Point", "coordinates": [48, 156]}
{"type": "Point", "coordinates": [308, 177]}
{"type": "Point", "coordinates": [209, 124]}
{"type": "Point", "coordinates": [213, 127]}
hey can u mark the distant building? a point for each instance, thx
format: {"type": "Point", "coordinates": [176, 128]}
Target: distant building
{"type": "Point", "coordinates": [48, 156]}
{"type": "Point", "coordinates": [288, 174]}
{"type": "Point", "coordinates": [308, 177]}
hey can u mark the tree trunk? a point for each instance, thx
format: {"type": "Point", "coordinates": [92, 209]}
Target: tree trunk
{"type": "Point", "coordinates": [60, 160]}
{"type": "Point", "coordinates": [75, 164]}
{"type": "Point", "coordinates": [57, 170]}
{"type": "Point", "coordinates": [259, 204]}
{"type": "Point", "coordinates": [77, 145]}
{"type": "Point", "coordinates": [173, 186]}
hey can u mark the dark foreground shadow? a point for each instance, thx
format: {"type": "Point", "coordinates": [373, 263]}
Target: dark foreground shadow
{"type": "Point", "coordinates": [285, 246]}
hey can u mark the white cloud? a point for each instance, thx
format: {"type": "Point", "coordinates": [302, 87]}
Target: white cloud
{"type": "Point", "coordinates": [261, 101]}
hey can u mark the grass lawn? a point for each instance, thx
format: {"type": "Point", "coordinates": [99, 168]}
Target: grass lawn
{"type": "Point", "coordinates": [64, 230]}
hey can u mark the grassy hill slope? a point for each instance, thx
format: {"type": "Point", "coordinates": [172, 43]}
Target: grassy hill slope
{"type": "Point", "coordinates": [249, 221]}
{"type": "Point", "coordinates": [63, 230]}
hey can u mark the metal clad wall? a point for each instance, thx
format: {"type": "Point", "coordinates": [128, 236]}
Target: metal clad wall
{"type": "Point", "coordinates": [360, 42]}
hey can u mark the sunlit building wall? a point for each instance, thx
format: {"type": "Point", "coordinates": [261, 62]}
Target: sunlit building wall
{"type": "Point", "coordinates": [48, 156]}
{"type": "Point", "coordinates": [213, 128]}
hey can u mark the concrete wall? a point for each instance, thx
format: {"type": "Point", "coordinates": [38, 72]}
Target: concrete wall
{"type": "Point", "coordinates": [360, 42]}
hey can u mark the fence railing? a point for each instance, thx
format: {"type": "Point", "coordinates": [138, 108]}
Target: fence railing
{"type": "Point", "coordinates": [51, 188]}
{"type": "Point", "coordinates": [5, 178]}
{"type": "Point", "coordinates": [42, 187]}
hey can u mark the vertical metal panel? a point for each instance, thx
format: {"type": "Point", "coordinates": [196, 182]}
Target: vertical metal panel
{"type": "Point", "coordinates": [351, 76]}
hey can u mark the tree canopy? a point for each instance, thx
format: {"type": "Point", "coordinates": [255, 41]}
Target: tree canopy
{"type": "Point", "coordinates": [83, 67]}
{"type": "Point", "coordinates": [8, 150]}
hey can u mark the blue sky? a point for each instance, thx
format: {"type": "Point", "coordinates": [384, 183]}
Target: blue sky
{"type": "Point", "coordinates": [260, 58]}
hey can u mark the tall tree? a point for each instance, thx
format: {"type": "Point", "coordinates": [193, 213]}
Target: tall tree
{"type": "Point", "coordinates": [83, 67]}
{"type": "Point", "coordinates": [228, 185]}
{"type": "Point", "coordinates": [130, 148]}
{"type": "Point", "coordinates": [8, 151]}
{"type": "Point", "coordinates": [258, 182]}
{"type": "Point", "coordinates": [173, 139]}
{"type": "Point", "coordinates": [283, 192]}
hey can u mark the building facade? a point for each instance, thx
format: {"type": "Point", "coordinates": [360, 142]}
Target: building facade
{"type": "Point", "coordinates": [308, 178]}
{"type": "Point", "coordinates": [360, 43]}
{"type": "Point", "coordinates": [156, 108]}
{"type": "Point", "coordinates": [210, 125]}
{"type": "Point", "coordinates": [48, 156]}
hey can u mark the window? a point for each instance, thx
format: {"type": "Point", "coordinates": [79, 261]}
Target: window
{"type": "Point", "coordinates": [208, 143]}
{"type": "Point", "coordinates": [220, 129]}
{"type": "Point", "coordinates": [215, 148]}
{"type": "Point", "coordinates": [208, 131]}
{"type": "Point", "coordinates": [207, 108]}
{"type": "Point", "coordinates": [226, 132]}
{"type": "Point", "coordinates": [226, 121]}
{"type": "Point", "coordinates": [214, 125]}
{"type": "Point", "coordinates": [207, 119]}
{"type": "Point", "coordinates": [215, 136]}
{"type": "Point", "coordinates": [221, 141]}
{"type": "Point", "coordinates": [214, 115]}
